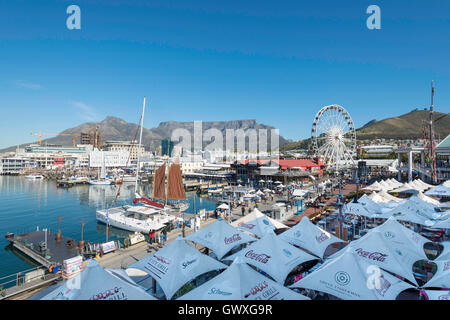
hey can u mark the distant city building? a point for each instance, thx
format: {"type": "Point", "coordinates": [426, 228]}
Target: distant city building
{"type": "Point", "coordinates": [53, 156]}
{"type": "Point", "coordinates": [167, 146]}
{"type": "Point", "coordinates": [130, 146]}
{"type": "Point", "coordinates": [13, 165]}
{"type": "Point", "coordinates": [112, 159]}
{"type": "Point", "coordinates": [443, 159]}
{"type": "Point", "coordinates": [378, 150]}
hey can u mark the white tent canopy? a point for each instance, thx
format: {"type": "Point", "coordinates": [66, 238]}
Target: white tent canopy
{"type": "Point", "coordinates": [257, 223]}
{"type": "Point", "coordinates": [240, 282]}
{"type": "Point", "coordinates": [175, 265]}
{"type": "Point", "coordinates": [350, 278]}
{"type": "Point", "coordinates": [97, 283]}
{"type": "Point", "coordinates": [385, 185]}
{"type": "Point", "coordinates": [390, 197]}
{"type": "Point", "coordinates": [220, 237]}
{"type": "Point", "coordinates": [416, 211]}
{"type": "Point", "coordinates": [274, 256]}
{"type": "Point", "coordinates": [307, 235]}
{"type": "Point", "coordinates": [442, 190]}
{"type": "Point", "coordinates": [442, 223]}
{"type": "Point", "coordinates": [390, 246]}
{"type": "Point", "coordinates": [299, 193]}
{"type": "Point", "coordinates": [425, 185]}
{"type": "Point", "coordinates": [438, 294]}
{"type": "Point", "coordinates": [374, 187]}
{"type": "Point", "coordinates": [358, 209]}
{"type": "Point", "coordinates": [371, 205]}
{"type": "Point", "coordinates": [224, 206]}
{"type": "Point", "coordinates": [428, 199]}
{"type": "Point", "coordinates": [445, 254]}
{"type": "Point", "coordinates": [441, 278]}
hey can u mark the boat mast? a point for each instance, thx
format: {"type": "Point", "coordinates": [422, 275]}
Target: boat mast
{"type": "Point", "coordinates": [139, 148]}
{"type": "Point", "coordinates": [167, 184]}
{"type": "Point", "coordinates": [432, 151]}
{"type": "Point", "coordinates": [154, 177]}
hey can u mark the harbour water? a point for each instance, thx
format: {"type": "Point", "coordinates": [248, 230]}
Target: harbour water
{"type": "Point", "coordinates": [27, 204]}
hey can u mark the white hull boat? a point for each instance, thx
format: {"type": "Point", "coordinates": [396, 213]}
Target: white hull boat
{"type": "Point", "coordinates": [34, 177]}
{"type": "Point", "coordinates": [104, 182]}
{"type": "Point", "coordinates": [135, 218]}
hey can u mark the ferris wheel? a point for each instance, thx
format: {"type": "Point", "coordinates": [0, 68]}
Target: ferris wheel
{"type": "Point", "coordinates": [333, 137]}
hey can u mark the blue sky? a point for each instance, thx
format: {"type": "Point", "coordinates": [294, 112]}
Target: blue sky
{"type": "Point", "coordinates": [275, 61]}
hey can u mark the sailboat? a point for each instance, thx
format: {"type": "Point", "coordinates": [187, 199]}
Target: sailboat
{"type": "Point", "coordinates": [174, 186]}
{"type": "Point", "coordinates": [137, 218]}
{"type": "Point", "coordinates": [102, 180]}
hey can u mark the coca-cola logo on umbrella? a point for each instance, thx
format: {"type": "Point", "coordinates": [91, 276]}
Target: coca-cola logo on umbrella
{"type": "Point", "coordinates": [376, 256]}
{"type": "Point", "coordinates": [342, 278]}
{"type": "Point", "coordinates": [162, 259]}
{"type": "Point", "coordinates": [297, 234]}
{"type": "Point", "coordinates": [444, 297]}
{"type": "Point", "coordinates": [261, 257]}
{"type": "Point", "coordinates": [266, 222]}
{"type": "Point", "coordinates": [235, 237]}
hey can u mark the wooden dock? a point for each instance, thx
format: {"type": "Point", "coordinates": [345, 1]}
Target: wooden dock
{"type": "Point", "coordinates": [67, 183]}
{"type": "Point", "coordinates": [54, 251]}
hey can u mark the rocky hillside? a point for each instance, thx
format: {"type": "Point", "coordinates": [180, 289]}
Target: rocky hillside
{"type": "Point", "coordinates": [113, 128]}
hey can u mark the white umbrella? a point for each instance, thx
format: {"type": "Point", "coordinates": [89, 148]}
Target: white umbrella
{"type": "Point", "coordinates": [252, 219]}
{"type": "Point", "coordinates": [299, 193]}
{"type": "Point", "coordinates": [438, 294]}
{"type": "Point", "coordinates": [351, 278]}
{"type": "Point", "coordinates": [428, 199]}
{"type": "Point", "coordinates": [441, 278]}
{"type": "Point", "coordinates": [240, 282]}
{"type": "Point", "coordinates": [439, 191]}
{"type": "Point", "coordinates": [274, 256]}
{"type": "Point", "coordinates": [445, 254]}
{"type": "Point", "coordinates": [308, 236]}
{"type": "Point", "coordinates": [97, 283]}
{"type": "Point", "coordinates": [220, 237]}
{"type": "Point", "coordinates": [175, 265]}
{"type": "Point", "coordinates": [390, 246]}
{"type": "Point", "coordinates": [223, 206]}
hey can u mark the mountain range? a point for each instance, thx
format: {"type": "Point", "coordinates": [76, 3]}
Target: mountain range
{"type": "Point", "coordinates": [113, 128]}
{"type": "Point", "coordinates": [407, 126]}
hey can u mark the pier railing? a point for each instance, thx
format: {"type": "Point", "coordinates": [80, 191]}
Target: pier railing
{"type": "Point", "coordinates": [24, 280]}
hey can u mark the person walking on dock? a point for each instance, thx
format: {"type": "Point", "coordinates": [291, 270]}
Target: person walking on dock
{"type": "Point", "coordinates": [243, 211]}
{"type": "Point", "coordinates": [152, 236]}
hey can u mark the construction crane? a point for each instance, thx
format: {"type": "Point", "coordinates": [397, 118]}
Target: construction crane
{"type": "Point", "coordinates": [96, 136]}
{"type": "Point", "coordinates": [40, 134]}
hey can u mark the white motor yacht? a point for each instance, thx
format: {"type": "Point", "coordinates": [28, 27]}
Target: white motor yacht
{"type": "Point", "coordinates": [34, 176]}
{"type": "Point", "coordinates": [135, 218]}
{"type": "Point", "coordinates": [101, 182]}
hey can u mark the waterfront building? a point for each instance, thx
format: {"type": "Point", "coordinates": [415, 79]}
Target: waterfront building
{"type": "Point", "coordinates": [130, 146]}
{"type": "Point", "coordinates": [378, 150]}
{"type": "Point", "coordinates": [13, 165]}
{"type": "Point", "coordinates": [112, 159]}
{"type": "Point", "coordinates": [53, 156]}
{"type": "Point", "coordinates": [279, 169]}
